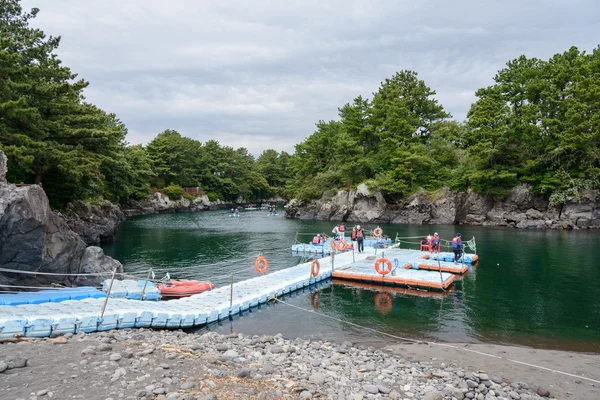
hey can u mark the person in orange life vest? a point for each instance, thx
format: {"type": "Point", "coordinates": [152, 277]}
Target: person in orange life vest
{"type": "Point", "coordinates": [360, 237]}
{"type": "Point", "coordinates": [435, 242]}
{"type": "Point", "coordinates": [353, 234]}
{"type": "Point", "coordinates": [457, 246]}
{"type": "Point", "coordinates": [317, 239]}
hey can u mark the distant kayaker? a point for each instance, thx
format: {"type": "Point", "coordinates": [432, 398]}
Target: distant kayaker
{"type": "Point", "coordinates": [360, 237]}
{"type": "Point", "coordinates": [457, 246]}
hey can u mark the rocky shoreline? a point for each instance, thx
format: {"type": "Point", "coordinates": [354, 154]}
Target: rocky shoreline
{"type": "Point", "coordinates": [36, 240]}
{"type": "Point", "coordinates": [521, 209]}
{"type": "Point", "coordinates": [163, 364]}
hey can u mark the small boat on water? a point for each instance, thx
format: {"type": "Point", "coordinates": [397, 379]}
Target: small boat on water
{"type": "Point", "coordinates": [182, 288]}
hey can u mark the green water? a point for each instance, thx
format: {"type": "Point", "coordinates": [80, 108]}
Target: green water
{"type": "Point", "coordinates": [534, 288]}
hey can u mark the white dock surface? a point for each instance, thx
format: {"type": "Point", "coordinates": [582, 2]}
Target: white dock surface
{"type": "Point", "coordinates": [41, 320]}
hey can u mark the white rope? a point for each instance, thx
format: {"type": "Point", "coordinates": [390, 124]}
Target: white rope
{"type": "Point", "coordinates": [36, 287]}
{"type": "Point", "coordinates": [435, 343]}
{"type": "Point", "coordinates": [17, 271]}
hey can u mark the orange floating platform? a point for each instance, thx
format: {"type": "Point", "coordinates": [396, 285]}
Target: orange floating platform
{"type": "Point", "coordinates": [364, 271]}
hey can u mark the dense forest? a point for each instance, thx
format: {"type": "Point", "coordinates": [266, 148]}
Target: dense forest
{"type": "Point", "coordinates": [539, 123]}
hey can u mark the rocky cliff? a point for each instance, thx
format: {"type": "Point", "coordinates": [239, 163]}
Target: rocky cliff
{"type": "Point", "coordinates": [35, 239]}
{"type": "Point", "coordinates": [521, 209]}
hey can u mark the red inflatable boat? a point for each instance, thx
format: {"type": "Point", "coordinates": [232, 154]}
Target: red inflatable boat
{"type": "Point", "coordinates": [175, 288]}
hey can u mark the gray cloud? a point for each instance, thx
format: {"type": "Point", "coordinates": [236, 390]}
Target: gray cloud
{"type": "Point", "coordinates": [260, 74]}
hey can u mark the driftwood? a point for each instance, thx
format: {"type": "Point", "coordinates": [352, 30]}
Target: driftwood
{"type": "Point", "coordinates": [17, 337]}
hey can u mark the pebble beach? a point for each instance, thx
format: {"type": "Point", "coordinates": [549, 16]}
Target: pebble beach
{"type": "Point", "coordinates": [177, 365]}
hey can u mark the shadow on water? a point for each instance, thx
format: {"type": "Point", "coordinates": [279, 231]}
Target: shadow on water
{"type": "Point", "coordinates": [534, 288]}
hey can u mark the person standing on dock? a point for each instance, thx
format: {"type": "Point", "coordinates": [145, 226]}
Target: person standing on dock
{"type": "Point", "coordinates": [457, 246]}
{"type": "Point", "coordinates": [336, 232]}
{"type": "Point", "coordinates": [360, 237]}
{"type": "Point", "coordinates": [353, 234]}
{"type": "Point", "coordinates": [435, 243]}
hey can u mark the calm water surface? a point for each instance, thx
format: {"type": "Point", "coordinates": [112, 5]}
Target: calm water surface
{"type": "Point", "coordinates": [534, 288]}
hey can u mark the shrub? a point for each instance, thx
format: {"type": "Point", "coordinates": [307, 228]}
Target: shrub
{"type": "Point", "coordinates": [175, 192]}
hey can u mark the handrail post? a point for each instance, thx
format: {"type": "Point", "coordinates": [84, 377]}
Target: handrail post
{"type": "Point", "coordinates": [108, 293]}
{"type": "Point", "coordinates": [231, 296]}
{"type": "Point", "coordinates": [332, 259]}
{"type": "Point", "coordinates": [145, 284]}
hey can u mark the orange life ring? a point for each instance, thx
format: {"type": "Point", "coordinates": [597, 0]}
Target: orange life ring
{"type": "Point", "coordinates": [378, 232]}
{"type": "Point", "coordinates": [333, 245]}
{"type": "Point", "coordinates": [349, 246]}
{"type": "Point", "coordinates": [257, 264]}
{"type": "Point", "coordinates": [315, 266]}
{"type": "Point", "coordinates": [387, 263]}
{"type": "Point", "coordinates": [342, 245]}
{"type": "Point", "coordinates": [384, 303]}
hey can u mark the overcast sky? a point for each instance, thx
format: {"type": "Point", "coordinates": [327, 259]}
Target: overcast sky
{"type": "Point", "coordinates": [260, 74]}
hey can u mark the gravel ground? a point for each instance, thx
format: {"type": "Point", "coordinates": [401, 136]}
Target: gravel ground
{"type": "Point", "coordinates": [162, 364]}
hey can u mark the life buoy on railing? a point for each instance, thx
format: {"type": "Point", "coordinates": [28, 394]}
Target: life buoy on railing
{"type": "Point", "coordinates": [387, 263]}
{"type": "Point", "coordinates": [378, 232]}
{"type": "Point", "coordinates": [342, 245]}
{"type": "Point", "coordinates": [384, 303]}
{"type": "Point", "coordinates": [315, 266]}
{"type": "Point", "coordinates": [349, 246]}
{"type": "Point", "coordinates": [261, 264]}
{"type": "Point", "coordinates": [333, 245]}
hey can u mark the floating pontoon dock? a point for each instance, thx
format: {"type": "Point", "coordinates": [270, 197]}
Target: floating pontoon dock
{"type": "Point", "coordinates": [415, 259]}
{"type": "Point", "coordinates": [325, 248]}
{"type": "Point", "coordinates": [364, 271]}
{"type": "Point", "coordinates": [41, 320]}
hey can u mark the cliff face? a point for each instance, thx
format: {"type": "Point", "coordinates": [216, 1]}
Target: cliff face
{"type": "Point", "coordinates": [522, 209]}
{"type": "Point", "coordinates": [33, 238]}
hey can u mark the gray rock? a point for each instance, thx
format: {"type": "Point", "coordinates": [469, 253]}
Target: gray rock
{"type": "Point", "coordinates": [243, 373]}
{"type": "Point", "coordinates": [383, 389]}
{"type": "Point", "coordinates": [514, 395]}
{"type": "Point", "coordinates": [268, 368]}
{"type": "Point", "coordinates": [266, 339]}
{"type": "Point", "coordinates": [222, 347]}
{"type": "Point", "coordinates": [3, 366]}
{"type": "Point", "coordinates": [484, 377]}
{"type": "Point", "coordinates": [371, 389]}
{"type": "Point", "coordinates": [42, 392]}
{"type": "Point", "coordinates": [542, 391]}
{"type": "Point", "coordinates": [3, 168]}
{"type": "Point", "coordinates": [35, 238]}
{"type": "Point", "coordinates": [115, 357]}
{"type": "Point", "coordinates": [496, 379]}
{"type": "Point", "coordinates": [317, 378]}
{"type": "Point", "coordinates": [159, 391]}
{"type": "Point", "coordinates": [231, 354]}
{"type": "Point", "coordinates": [210, 397]}
{"type": "Point", "coordinates": [95, 224]}
{"type": "Point", "coordinates": [306, 395]}
{"type": "Point", "coordinates": [433, 396]}
{"type": "Point", "coordinates": [472, 384]}
{"type": "Point", "coordinates": [187, 385]}
{"type": "Point", "coordinates": [15, 362]}
{"type": "Point", "coordinates": [458, 394]}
